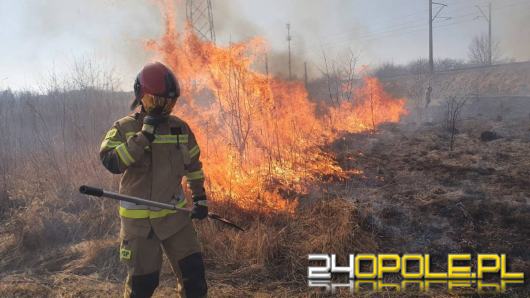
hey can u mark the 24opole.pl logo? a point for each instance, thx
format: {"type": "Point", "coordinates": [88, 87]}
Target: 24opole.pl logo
{"type": "Point", "coordinates": [481, 273]}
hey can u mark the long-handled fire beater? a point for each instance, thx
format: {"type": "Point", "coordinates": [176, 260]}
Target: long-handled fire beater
{"type": "Point", "coordinates": [98, 192]}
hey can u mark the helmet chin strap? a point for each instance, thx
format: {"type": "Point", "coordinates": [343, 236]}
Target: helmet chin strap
{"type": "Point", "coordinates": [162, 115]}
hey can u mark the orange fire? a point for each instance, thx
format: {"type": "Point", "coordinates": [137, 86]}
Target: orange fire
{"type": "Point", "coordinates": [371, 106]}
{"type": "Point", "coordinates": [261, 140]}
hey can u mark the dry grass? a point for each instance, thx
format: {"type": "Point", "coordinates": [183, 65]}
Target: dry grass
{"type": "Point", "coordinates": [47, 245]}
{"type": "Point", "coordinates": [56, 243]}
{"type": "Point", "coordinates": [273, 251]}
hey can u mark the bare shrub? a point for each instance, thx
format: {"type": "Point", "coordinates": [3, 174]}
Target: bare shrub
{"type": "Point", "coordinates": [453, 110]}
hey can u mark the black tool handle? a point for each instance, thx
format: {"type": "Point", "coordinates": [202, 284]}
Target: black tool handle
{"type": "Point", "coordinates": [98, 192]}
{"type": "Point", "coordinates": [91, 191]}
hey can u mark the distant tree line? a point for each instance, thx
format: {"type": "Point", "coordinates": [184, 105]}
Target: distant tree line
{"type": "Point", "coordinates": [478, 53]}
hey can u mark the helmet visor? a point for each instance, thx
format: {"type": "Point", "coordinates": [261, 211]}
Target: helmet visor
{"type": "Point", "coordinates": [153, 104]}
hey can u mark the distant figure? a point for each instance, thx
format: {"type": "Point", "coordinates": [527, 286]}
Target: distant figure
{"type": "Point", "coordinates": [428, 96]}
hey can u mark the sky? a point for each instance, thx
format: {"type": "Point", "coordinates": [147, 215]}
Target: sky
{"type": "Point", "coordinates": [43, 37]}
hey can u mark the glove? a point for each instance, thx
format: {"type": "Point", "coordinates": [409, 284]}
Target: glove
{"type": "Point", "coordinates": [150, 124]}
{"type": "Point", "coordinates": [200, 208]}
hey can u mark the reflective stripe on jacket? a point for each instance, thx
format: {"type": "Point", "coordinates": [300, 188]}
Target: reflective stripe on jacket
{"type": "Point", "coordinates": [153, 171]}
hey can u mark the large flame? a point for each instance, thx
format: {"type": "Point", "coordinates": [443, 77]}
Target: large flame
{"type": "Point", "coordinates": [260, 137]}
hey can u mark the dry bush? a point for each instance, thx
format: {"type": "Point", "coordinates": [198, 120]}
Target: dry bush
{"type": "Point", "coordinates": [275, 247]}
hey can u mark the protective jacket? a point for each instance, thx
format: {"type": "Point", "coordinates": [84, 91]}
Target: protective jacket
{"type": "Point", "coordinates": [153, 171]}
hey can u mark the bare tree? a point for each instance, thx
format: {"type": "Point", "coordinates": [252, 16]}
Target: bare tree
{"type": "Point", "coordinates": [340, 76]}
{"type": "Point", "coordinates": [349, 75]}
{"type": "Point", "coordinates": [479, 50]}
{"type": "Point", "coordinates": [372, 108]}
{"type": "Point", "coordinates": [238, 105]}
{"type": "Point", "coordinates": [327, 73]}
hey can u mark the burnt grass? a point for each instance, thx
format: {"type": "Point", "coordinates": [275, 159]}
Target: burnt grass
{"type": "Point", "coordinates": [417, 196]}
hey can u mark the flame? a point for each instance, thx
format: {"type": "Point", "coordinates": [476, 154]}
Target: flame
{"type": "Point", "coordinates": [370, 106]}
{"type": "Point", "coordinates": [261, 139]}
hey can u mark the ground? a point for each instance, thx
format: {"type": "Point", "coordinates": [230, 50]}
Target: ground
{"type": "Point", "coordinates": [423, 197]}
{"type": "Point", "coordinates": [405, 192]}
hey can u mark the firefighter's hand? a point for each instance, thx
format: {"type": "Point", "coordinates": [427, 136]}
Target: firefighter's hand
{"type": "Point", "coordinates": [150, 124]}
{"type": "Point", "coordinates": [200, 208]}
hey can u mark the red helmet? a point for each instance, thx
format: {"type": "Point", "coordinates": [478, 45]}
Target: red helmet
{"type": "Point", "coordinates": [155, 79]}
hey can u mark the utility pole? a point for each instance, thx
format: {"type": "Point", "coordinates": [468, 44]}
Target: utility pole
{"type": "Point", "coordinates": [289, 45]}
{"type": "Point", "coordinates": [431, 54]}
{"type": "Point", "coordinates": [431, 61]}
{"type": "Point", "coordinates": [199, 14]}
{"type": "Point", "coordinates": [267, 64]}
{"type": "Point", "coordinates": [305, 74]}
{"type": "Point", "coordinates": [488, 19]}
{"type": "Point", "coordinates": [489, 33]}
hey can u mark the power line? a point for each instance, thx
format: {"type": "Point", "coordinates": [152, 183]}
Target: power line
{"type": "Point", "coordinates": [397, 26]}
{"type": "Point", "coordinates": [401, 29]}
{"type": "Point", "coordinates": [405, 28]}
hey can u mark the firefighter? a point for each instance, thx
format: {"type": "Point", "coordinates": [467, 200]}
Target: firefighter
{"type": "Point", "coordinates": [153, 151]}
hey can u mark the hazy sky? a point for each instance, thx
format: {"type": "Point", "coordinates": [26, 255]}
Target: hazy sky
{"type": "Point", "coordinates": [39, 37]}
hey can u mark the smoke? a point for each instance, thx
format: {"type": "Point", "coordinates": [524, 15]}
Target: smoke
{"type": "Point", "coordinates": [230, 23]}
{"type": "Point", "coordinates": [55, 32]}
{"type": "Point", "coordinates": [310, 21]}
{"type": "Point", "coordinates": [52, 35]}
{"type": "Point", "coordinates": [514, 33]}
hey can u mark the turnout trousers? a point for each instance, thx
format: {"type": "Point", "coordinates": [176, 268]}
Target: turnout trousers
{"type": "Point", "coordinates": [143, 257]}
